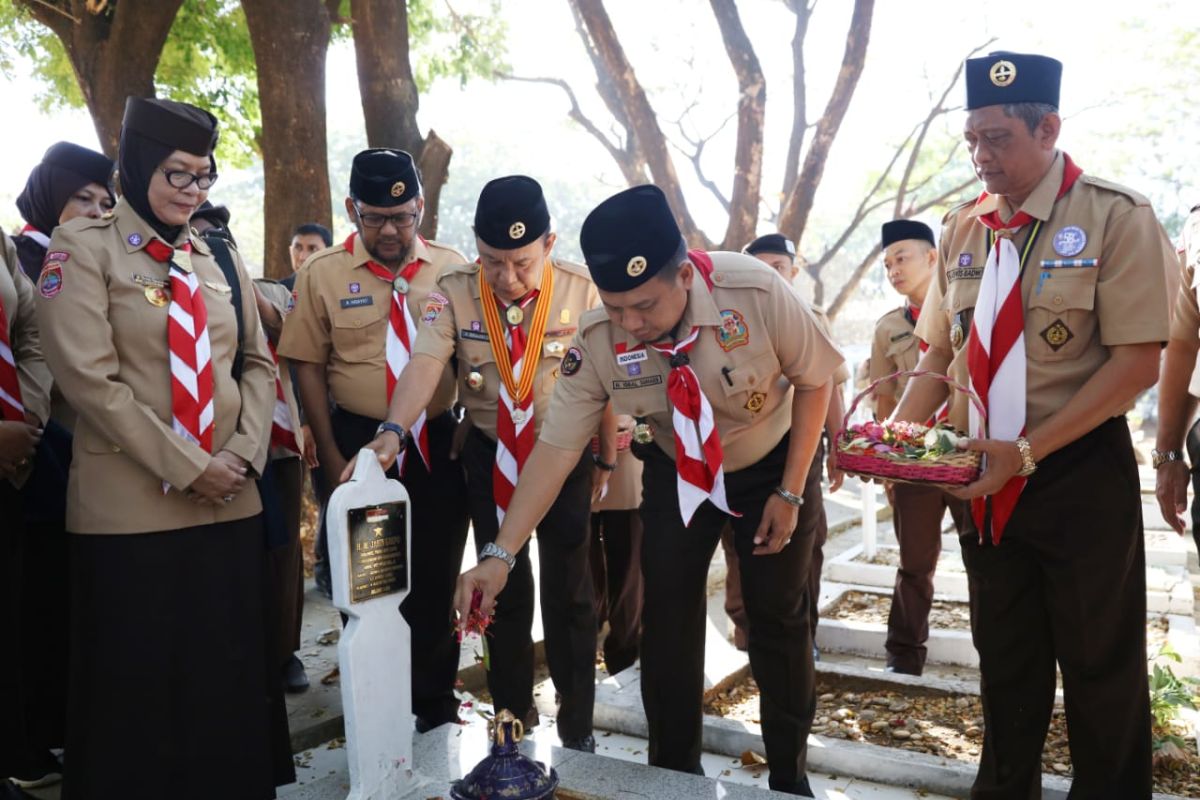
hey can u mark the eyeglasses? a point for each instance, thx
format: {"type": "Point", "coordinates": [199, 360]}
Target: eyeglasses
{"type": "Point", "coordinates": [181, 179]}
{"type": "Point", "coordinates": [404, 220]}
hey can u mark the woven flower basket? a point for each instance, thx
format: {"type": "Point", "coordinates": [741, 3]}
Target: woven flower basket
{"type": "Point", "coordinates": [956, 468]}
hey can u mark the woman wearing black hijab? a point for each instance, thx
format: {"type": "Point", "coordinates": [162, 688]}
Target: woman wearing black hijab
{"type": "Point", "coordinates": [71, 181]}
{"type": "Point", "coordinates": [173, 691]}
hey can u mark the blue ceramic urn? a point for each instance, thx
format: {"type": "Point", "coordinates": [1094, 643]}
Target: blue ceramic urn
{"type": "Point", "coordinates": [506, 774]}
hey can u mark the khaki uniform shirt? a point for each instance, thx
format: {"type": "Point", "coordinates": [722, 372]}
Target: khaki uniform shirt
{"type": "Point", "coordinates": [278, 295]}
{"type": "Point", "coordinates": [624, 485]}
{"type": "Point", "coordinates": [105, 338]}
{"type": "Point", "coordinates": [452, 324]}
{"type": "Point", "coordinates": [1185, 321]}
{"type": "Point", "coordinates": [1073, 315]}
{"type": "Point", "coordinates": [16, 296]}
{"type": "Point", "coordinates": [341, 318]}
{"type": "Point", "coordinates": [759, 340]}
{"type": "Point", "coordinates": [894, 348]}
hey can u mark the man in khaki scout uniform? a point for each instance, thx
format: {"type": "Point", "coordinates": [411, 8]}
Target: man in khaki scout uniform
{"type": "Point", "coordinates": [507, 320]}
{"type": "Point", "coordinates": [910, 258]}
{"type": "Point", "coordinates": [1058, 332]}
{"type": "Point", "coordinates": [728, 377]}
{"type": "Point", "coordinates": [777, 251]}
{"type": "Point", "coordinates": [24, 404]}
{"type": "Point", "coordinates": [355, 310]}
{"type": "Point", "coordinates": [1178, 388]}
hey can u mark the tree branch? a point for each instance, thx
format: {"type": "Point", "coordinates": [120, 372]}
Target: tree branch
{"type": "Point", "coordinates": [800, 125]}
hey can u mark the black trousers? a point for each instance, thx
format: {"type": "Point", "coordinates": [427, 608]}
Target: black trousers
{"type": "Point", "coordinates": [617, 582]}
{"type": "Point", "coordinates": [14, 739]}
{"type": "Point", "coordinates": [675, 563]}
{"type": "Point", "coordinates": [1066, 584]}
{"type": "Point", "coordinates": [1193, 449]}
{"type": "Point", "coordinates": [439, 534]}
{"type": "Point", "coordinates": [565, 581]}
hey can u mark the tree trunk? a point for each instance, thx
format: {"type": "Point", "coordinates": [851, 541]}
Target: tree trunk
{"type": "Point", "coordinates": [752, 107]}
{"type": "Point", "coordinates": [390, 97]}
{"type": "Point", "coordinates": [791, 166]}
{"type": "Point", "coordinates": [643, 120]}
{"type": "Point", "coordinates": [290, 40]}
{"type": "Point", "coordinates": [793, 218]}
{"type": "Point", "coordinates": [113, 53]}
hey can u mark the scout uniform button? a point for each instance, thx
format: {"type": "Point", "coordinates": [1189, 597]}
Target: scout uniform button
{"type": "Point", "coordinates": [514, 315]}
{"type": "Point", "coordinates": [1058, 299]}
{"type": "Point", "coordinates": [475, 382]}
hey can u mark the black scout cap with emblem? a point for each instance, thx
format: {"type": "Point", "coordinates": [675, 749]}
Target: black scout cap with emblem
{"type": "Point", "coordinates": [899, 230]}
{"type": "Point", "coordinates": [384, 177]}
{"type": "Point", "coordinates": [629, 237]}
{"type": "Point", "coordinates": [771, 243]}
{"type": "Point", "coordinates": [1002, 78]}
{"type": "Point", "coordinates": [511, 212]}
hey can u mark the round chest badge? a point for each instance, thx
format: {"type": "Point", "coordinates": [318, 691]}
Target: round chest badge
{"type": "Point", "coordinates": [1070, 241]}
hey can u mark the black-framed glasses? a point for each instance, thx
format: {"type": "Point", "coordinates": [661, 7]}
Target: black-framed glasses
{"type": "Point", "coordinates": [182, 179]}
{"type": "Point", "coordinates": [402, 220]}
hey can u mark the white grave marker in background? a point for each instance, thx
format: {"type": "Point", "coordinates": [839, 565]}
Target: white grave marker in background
{"type": "Point", "coordinates": [369, 525]}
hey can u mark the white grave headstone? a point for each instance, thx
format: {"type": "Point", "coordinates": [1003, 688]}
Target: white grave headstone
{"type": "Point", "coordinates": [369, 525]}
{"type": "Point", "coordinates": [870, 511]}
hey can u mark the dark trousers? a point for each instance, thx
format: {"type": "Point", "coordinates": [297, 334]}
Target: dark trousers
{"type": "Point", "coordinates": [675, 563]}
{"type": "Point", "coordinates": [439, 534]}
{"type": "Point", "coordinates": [1193, 449]}
{"type": "Point", "coordinates": [918, 519]}
{"type": "Point", "coordinates": [568, 613]}
{"type": "Point", "coordinates": [812, 518]}
{"type": "Point", "coordinates": [285, 561]}
{"type": "Point", "coordinates": [14, 743]}
{"type": "Point", "coordinates": [617, 582]}
{"type": "Point", "coordinates": [1067, 583]}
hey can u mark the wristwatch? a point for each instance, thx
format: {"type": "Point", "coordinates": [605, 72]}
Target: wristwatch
{"type": "Point", "coordinates": [1160, 457]}
{"type": "Point", "coordinates": [1028, 465]}
{"type": "Point", "coordinates": [789, 498]}
{"type": "Point", "coordinates": [493, 550]}
{"type": "Point", "coordinates": [396, 429]}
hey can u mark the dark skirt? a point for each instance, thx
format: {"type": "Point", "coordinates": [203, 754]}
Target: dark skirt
{"type": "Point", "coordinates": [174, 690]}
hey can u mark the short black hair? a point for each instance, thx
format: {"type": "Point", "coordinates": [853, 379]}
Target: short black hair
{"type": "Point", "coordinates": [310, 228]}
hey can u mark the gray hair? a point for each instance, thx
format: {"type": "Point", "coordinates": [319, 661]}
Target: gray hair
{"type": "Point", "coordinates": [1030, 113]}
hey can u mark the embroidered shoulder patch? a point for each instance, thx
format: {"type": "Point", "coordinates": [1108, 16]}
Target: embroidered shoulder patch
{"type": "Point", "coordinates": [572, 361]}
{"type": "Point", "coordinates": [733, 332]}
{"type": "Point", "coordinates": [50, 281]}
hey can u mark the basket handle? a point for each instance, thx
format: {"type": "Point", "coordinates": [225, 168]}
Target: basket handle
{"type": "Point", "coordinates": [916, 373]}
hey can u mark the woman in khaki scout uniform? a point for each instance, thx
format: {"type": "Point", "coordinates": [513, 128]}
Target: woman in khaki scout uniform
{"type": "Point", "coordinates": [24, 403]}
{"type": "Point", "coordinates": [778, 253]}
{"type": "Point", "coordinates": [616, 553]}
{"type": "Point", "coordinates": [169, 647]}
{"type": "Point", "coordinates": [1053, 544]}
{"type": "Point", "coordinates": [728, 376]}
{"type": "Point", "coordinates": [516, 305]}
{"type": "Point", "coordinates": [910, 258]}
{"type": "Point", "coordinates": [351, 303]}
{"type": "Point", "coordinates": [69, 182]}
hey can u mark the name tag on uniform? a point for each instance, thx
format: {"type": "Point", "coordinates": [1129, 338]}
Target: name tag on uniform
{"type": "Point", "coordinates": [355, 302]}
{"type": "Point", "coordinates": [638, 383]}
{"type": "Point", "coordinates": [965, 273]}
{"type": "Point", "coordinates": [478, 336]}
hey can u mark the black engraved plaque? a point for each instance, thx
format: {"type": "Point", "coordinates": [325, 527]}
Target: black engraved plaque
{"type": "Point", "coordinates": [378, 550]}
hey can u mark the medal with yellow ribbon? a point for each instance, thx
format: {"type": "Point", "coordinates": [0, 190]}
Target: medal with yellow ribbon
{"type": "Point", "coordinates": [518, 389]}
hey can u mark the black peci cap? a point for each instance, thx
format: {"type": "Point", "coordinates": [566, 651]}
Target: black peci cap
{"type": "Point", "coordinates": [384, 177]}
{"type": "Point", "coordinates": [179, 126]}
{"type": "Point", "coordinates": [1002, 78]}
{"type": "Point", "coordinates": [899, 230]}
{"type": "Point", "coordinates": [771, 243]}
{"type": "Point", "coordinates": [511, 212]}
{"type": "Point", "coordinates": [629, 237]}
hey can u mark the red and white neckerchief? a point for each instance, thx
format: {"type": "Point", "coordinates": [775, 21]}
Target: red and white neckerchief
{"type": "Point", "coordinates": [996, 350]}
{"type": "Point", "coordinates": [698, 452]}
{"type": "Point", "coordinates": [11, 407]}
{"type": "Point", "coordinates": [401, 334]}
{"type": "Point", "coordinates": [33, 233]}
{"type": "Point", "coordinates": [283, 435]}
{"type": "Point", "coordinates": [190, 349]}
{"type": "Point", "coordinates": [514, 417]}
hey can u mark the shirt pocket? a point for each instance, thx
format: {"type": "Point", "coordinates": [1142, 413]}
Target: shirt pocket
{"type": "Point", "coordinates": [747, 385]}
{"type": "Point", "coordinates": [1061, 317]}
{"type": "Point", "coordinates": [959, 304]}
{"type": "Point", "coordinates": [553, 350]}
{"type": "Point", "coordinates": [359, 335]}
